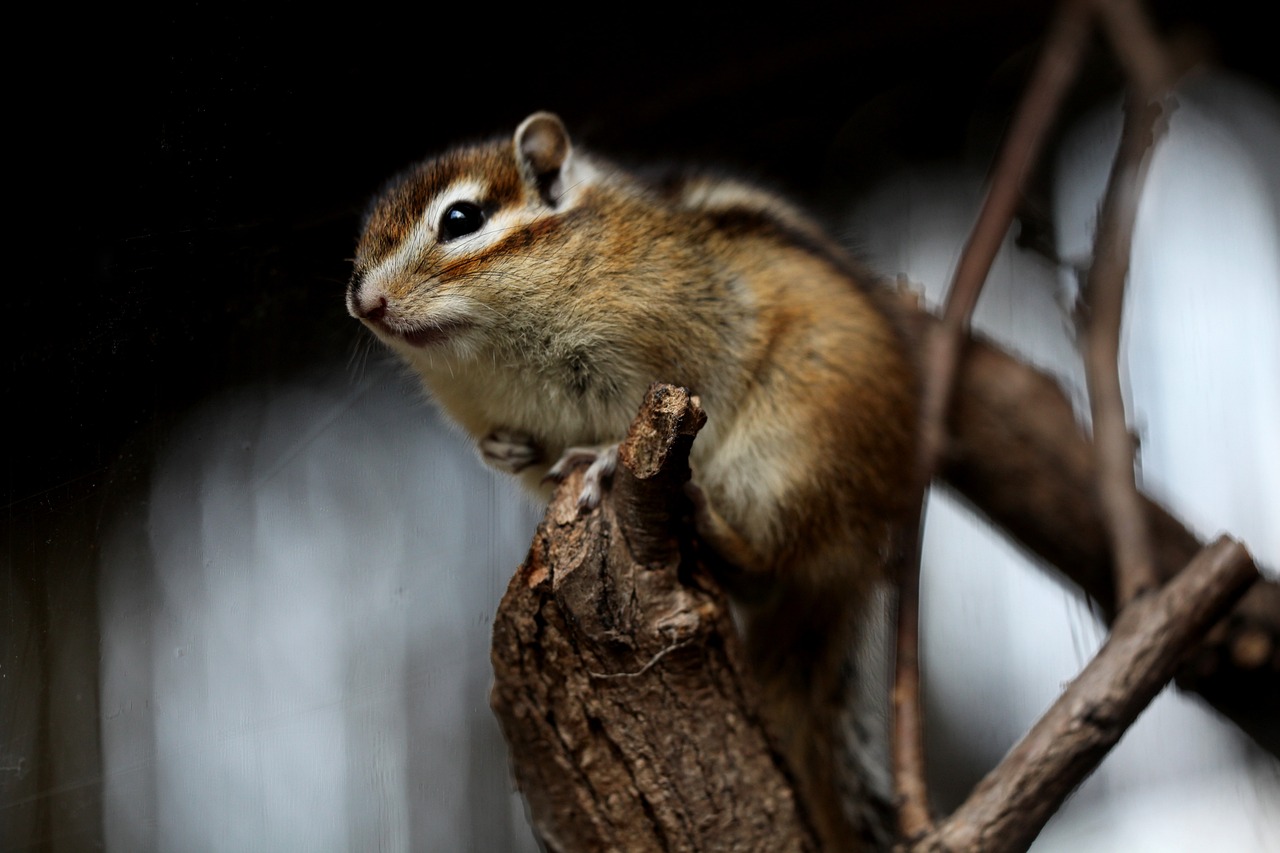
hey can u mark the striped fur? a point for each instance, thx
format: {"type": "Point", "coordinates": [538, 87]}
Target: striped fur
{"type": "Point", "coordinates": [586, 284]}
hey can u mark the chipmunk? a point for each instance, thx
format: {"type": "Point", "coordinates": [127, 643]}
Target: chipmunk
{"type": "Point", "coordinates": [539, 289]}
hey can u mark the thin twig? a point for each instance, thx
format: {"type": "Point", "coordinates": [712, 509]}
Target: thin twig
{"type": "Point", "coordinates": [911, 791]}
{"type": "Point", "coordinates": [1126, 525]}
{"type": "Point", "coordinates": [1145, 120]}
{"type": "Point", "coordinates": [1146, 63]}
{"type": "Point", "coordinates": [1035, 115]}
{"type": "Point", "coordinates": [1010, 806]}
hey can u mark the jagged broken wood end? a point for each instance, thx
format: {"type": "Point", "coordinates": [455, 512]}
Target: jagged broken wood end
{"type": "Point", "coordinates": [619, 677]}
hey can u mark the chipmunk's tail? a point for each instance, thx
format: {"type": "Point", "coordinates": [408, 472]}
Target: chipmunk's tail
{"type": "Point", "coordinates": [824, 664]}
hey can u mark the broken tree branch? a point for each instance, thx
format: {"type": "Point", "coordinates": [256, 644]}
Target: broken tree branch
{"type": "Point", "coordinates": [619, 677]}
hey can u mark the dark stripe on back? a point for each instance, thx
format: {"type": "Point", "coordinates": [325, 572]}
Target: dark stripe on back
{"type": "Point", "coordinates": [753, 222]}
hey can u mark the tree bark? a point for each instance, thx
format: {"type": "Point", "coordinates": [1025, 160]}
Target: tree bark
{"type": "Point", "coordinates": [619, 677]}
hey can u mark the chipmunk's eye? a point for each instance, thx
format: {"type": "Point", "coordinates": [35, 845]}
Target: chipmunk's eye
{"type": "Point", "coordinates": [460, 219]}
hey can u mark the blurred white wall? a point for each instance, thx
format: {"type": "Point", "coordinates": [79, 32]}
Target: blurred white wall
{"type": "Point", "coordinates": [296, 622]}
{"type": "Point", "coordinates": [296, 631]}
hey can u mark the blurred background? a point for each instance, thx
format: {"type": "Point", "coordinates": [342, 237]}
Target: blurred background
{"type": "Point", "coordinates": [246, 573]}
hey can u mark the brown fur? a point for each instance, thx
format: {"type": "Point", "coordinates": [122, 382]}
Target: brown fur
{"type": "Point", "coordinates": [565, 312]}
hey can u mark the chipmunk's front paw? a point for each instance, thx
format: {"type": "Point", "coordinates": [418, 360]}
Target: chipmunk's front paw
{"type": "Point", "coordinates": [603, 462]}
{"type": "Point", "coordinates": [509, 450]}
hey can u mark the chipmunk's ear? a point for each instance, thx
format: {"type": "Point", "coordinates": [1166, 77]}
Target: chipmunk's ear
{"type": "Point", "coordinates": [544, 153]}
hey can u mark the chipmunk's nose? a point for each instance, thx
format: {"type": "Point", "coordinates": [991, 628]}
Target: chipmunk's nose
{"type": "Point", "coordinates": [364, 306]}
{"type": "Point", "coordinates": [372, 309]}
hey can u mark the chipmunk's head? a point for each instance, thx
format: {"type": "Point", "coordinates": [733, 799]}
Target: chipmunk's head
{"type": "Point", "coordinates": [448, 244]}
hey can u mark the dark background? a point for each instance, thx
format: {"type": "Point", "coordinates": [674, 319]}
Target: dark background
{"type": "Point", "coordinates": [190, 181]}
{"type": "Point", "coordinates": [196, 176]}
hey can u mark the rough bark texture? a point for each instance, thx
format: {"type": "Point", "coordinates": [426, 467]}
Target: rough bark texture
{"type": "Point", "coordinates": [619, 676]}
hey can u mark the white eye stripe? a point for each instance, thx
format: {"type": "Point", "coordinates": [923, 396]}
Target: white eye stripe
{"type": "Point", "coordinates": [468, 189]}
{"type": "Point", "coordinates": [426, 231]}
{"type": "Point", "coordinates": [425, 238]}
{"type": "Point", "coordinates": [496, 226]}
{"type": "Point", "coordinates": [495, 229]}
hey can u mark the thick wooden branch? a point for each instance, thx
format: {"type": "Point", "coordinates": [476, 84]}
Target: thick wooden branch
{"type": "Point", "coordinates": [619, 678]}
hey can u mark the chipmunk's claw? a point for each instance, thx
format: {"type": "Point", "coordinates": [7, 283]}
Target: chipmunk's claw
{"type": "Point", "coordinates": [601, 463]}
{"type": "Point", "coordinates": [509, 450]}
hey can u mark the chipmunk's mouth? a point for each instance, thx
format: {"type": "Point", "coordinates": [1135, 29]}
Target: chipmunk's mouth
{"type": "Point", "coordinates": [432, 334]}
{"type": "Point", "coordinates": [426, 335]}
